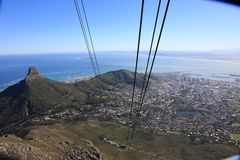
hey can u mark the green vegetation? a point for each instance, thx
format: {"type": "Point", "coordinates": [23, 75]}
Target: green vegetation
{"type": "Point", "coordinates": [236, 109]}
{"type": "Point", "coordinates": [109, 79]}
{"type": "Point", "coordinates": [180, 104]}
{"type": "Point", "coordinates": [235, 106]}
{"type": "Point", "coordinates": [101, 98]}
{"type": "Point", "coordinates": [145, 145]}
{"type": "Point", "coordinates": [237, 125]}
{"type": "Point", "coordinates": [35, 97]}
{"type": "Point", "coordinates": [235, 136]}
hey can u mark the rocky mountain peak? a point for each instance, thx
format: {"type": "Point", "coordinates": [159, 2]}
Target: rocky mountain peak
{"type": "Point", "coordinates": [33, 73]}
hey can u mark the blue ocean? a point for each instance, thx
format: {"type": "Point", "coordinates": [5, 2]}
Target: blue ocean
{"type": "Point", "coordinates": [71, 65]}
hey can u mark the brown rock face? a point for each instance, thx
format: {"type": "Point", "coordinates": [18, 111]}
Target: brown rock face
{"type": "Point", "coordinates": [19, 151]}
{"type": "Point", "coordinates": [33, 73]}
{"type": "Point", "coordinates": [42, 143]}
{"type": "Point", "coordinates": [83, 150]}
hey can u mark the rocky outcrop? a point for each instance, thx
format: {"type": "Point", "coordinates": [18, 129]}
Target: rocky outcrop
{"type": "Point", "coordinates": [33, 73]}
{"type": "Point", "coordinates": [83, 150]}
{"type": "Point", "coordinates": [42, 143]}
{"type": "Point", "coordinates": [21, 151]}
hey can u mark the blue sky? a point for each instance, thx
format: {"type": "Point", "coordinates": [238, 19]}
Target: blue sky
{"type": "Point", "coordinates": [37, 26]}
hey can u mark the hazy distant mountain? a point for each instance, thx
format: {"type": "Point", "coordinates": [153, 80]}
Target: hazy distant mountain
{"type": "Point", "coordinates": [217, 54]}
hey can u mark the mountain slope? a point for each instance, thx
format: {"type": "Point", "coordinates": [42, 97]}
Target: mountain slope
{"type": "Point", "coordinates": [54, 141]}
{"type": "Point", "coordinates": [112, 78]}
{"type": "Point", "coordinates": [34, 96]}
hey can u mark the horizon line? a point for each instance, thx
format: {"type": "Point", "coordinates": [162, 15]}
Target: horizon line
{"type": "Point", "coordinates": [84, 52]}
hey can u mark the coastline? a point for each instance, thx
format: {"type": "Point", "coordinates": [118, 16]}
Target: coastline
{"type": "Point", "coordinates": [211, 67]}
{"type": "Point", "coordinates": [71, 80]}
{"type": "Point", "coordinates": [229, 78]}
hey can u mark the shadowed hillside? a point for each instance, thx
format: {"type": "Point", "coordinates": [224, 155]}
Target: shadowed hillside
{"type": "Point", "coordinates": [36, 95]}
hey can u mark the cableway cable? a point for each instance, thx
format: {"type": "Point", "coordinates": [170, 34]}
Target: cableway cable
{"type": "Point", "coordinates": [136, 65]}
{"type": "Point", "coordinates": [149, 75]}
{"type": "Point", "coordinates": [90, 36]}
{"type": "Point", "coordinates": [85, 35]}
{"type": "Point", "coordinates": [155, 53]}
{"type": "Point", "coordinates": [150, 51]}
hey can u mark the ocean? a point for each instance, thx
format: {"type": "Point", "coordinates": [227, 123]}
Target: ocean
{"type": "Point", "coordinates": [66, 66]}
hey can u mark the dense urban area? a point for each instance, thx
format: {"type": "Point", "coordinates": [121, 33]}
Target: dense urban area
{"type": "Point", "coordinates": [205, 110]}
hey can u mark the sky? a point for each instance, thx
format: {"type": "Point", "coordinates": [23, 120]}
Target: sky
{"type": "Point", "coordinates": [51, 26]}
